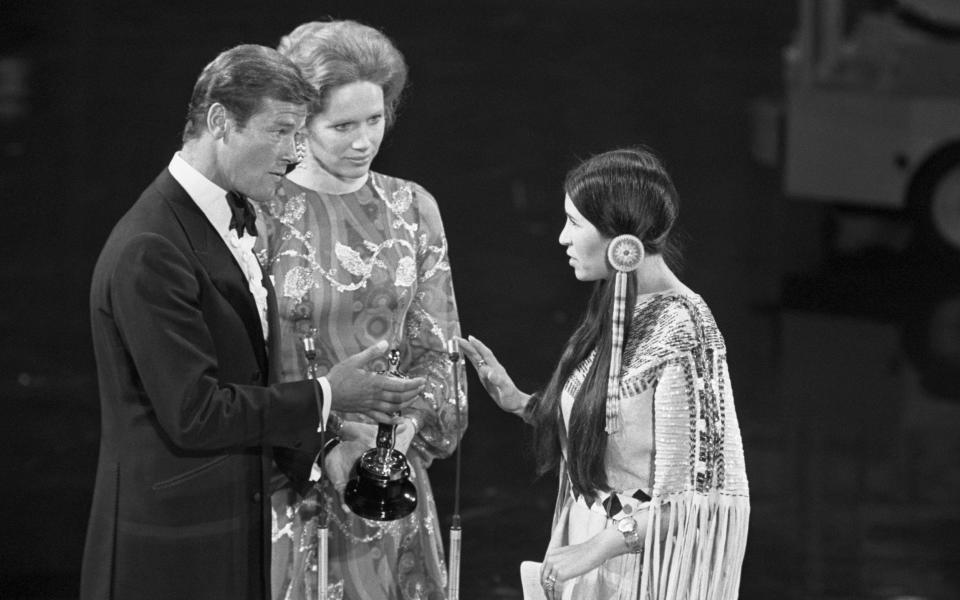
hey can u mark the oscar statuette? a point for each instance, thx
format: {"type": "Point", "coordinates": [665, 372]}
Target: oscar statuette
{"type": "Point", "coordinates": [381, 489]}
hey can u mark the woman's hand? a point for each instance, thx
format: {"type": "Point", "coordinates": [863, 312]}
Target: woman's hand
{"type": "Point", "coordinates": [355, 439]}
{"type": "Point", "coordinates": [366, 433]}
{"type": "Point", "coordinates": [566, 562]}
{"type": "Point", "coordinates": [363, 433]}
{"type": "Point", "coordinates": [404, 434]}
{"type": "Point", "coordinates": [493, 376]}
{"type": "Point", "coordinates": [339, 462]}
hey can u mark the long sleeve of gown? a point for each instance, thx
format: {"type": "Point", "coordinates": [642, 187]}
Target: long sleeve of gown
{"type": "Point", "coordinates": [430, 321]}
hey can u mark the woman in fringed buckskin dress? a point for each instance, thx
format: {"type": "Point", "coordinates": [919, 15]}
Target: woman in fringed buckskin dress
{"type": "Point", "coordinates": [360, 257]}
{"type": "Point", "coordinates": [638, 416]}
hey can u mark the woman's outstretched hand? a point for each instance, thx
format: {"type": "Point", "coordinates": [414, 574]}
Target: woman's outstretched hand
{"type": "Point", "coordinates": [493, 376]}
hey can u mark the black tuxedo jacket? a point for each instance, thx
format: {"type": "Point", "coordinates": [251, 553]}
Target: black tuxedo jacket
{"type": "Point", "coordinates": [189, 418]}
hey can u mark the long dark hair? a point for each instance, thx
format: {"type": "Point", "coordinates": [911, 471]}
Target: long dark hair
{"type": "Point", "coordinates": [621, 191]}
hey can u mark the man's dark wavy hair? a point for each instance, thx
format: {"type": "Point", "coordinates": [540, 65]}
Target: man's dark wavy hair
{"type": "Point", "coordinates": [240, 79]}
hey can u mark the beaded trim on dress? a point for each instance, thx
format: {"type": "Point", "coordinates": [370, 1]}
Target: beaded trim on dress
{"type": "Point", "coordinates": [699, 509]}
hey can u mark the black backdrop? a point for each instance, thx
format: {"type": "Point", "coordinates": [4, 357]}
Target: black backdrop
{"type": "Point", "coordinates": [504, 97]}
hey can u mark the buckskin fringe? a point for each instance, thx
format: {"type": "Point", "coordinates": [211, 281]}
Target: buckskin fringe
{"type": "Point", "coordinates": [694, 546]}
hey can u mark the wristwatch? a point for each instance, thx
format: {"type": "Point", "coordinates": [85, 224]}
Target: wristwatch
{"type": "Point", "coordinates": [628, 527]}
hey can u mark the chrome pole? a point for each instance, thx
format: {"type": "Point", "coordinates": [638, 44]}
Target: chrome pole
{"type": "Point", "coordinates": [453, 575]}
{"type": "Point", "coordinates": [323, 551]}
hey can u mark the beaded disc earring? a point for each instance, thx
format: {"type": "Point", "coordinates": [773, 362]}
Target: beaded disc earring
{"type": "Point", "coordinates": [625, 253]}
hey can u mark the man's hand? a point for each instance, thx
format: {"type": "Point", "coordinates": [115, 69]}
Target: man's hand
{"type": "Point", "coordinates": [355, 389]}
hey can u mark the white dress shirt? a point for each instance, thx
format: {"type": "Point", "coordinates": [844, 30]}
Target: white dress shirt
{"type": "Point", "coordinates": [212, 201]}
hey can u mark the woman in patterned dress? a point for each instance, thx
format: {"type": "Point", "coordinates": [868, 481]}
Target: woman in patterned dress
{"type": "Point", "coordinates": [653, 499]}
{"type": "Point", "coordinates": [359, 257]}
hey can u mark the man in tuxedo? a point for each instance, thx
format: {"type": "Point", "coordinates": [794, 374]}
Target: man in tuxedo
{"type": "Point", "coordinates": [184, 330]}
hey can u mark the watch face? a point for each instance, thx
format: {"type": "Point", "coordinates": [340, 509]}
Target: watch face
{"type": "Point", "coordinates": [626, 525]}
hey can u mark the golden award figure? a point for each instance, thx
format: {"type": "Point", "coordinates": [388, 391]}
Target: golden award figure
{"type": "Point", "coordinates": [381, 489]}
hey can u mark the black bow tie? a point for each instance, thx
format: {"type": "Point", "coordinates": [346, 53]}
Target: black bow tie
{"type": "Point", "coordinates": [244, 219]}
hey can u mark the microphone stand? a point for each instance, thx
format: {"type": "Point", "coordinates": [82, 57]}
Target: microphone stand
{"type": "Point", "coordinates": [453, 575]}
{"type": "Point", "coordinates": [323, 531]}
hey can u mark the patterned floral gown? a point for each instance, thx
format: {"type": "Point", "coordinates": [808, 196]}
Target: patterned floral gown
{"type": "Point", "coordinates": [360, 268]}
{"type": "Point", "coordinates": [676, 463]}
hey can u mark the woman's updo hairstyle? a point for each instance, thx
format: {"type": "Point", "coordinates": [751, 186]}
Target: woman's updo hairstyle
{"type": "Point", "coordinates": [335, 53]}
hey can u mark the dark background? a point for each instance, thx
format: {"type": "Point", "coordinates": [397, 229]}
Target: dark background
{"type": "Point", "coordinates": [851, 462]}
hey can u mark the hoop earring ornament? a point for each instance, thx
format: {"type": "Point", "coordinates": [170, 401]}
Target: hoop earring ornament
{"type": "Point", "coordinates": [625, 253]}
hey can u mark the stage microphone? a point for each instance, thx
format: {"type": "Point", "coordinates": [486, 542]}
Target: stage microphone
{"type": "Point", "coordinates": [456, 540]}
{"type": "Point", "coordinates": [323, 526]}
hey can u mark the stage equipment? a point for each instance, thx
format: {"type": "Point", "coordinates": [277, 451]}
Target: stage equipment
{"type": "Point", "coordinates": [453, 570]}
{"type": "Point", "coordinates": [323, 529]}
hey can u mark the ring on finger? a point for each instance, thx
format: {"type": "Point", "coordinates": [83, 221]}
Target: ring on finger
{"type": "Point", "coordinates": [481, 363]}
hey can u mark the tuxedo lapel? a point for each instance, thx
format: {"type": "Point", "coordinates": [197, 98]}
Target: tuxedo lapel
{"type": "Point", "coordinates": [216, 259]}
{"type": "Point", "coordinates": [273, 320]}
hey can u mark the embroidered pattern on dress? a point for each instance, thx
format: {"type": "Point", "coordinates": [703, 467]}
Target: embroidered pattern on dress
{"type": "Point", "coordinates": [406, 272]}
{"type": "Point", "coordinates": [293, 210]}
{"type": "Point", "coordinates": [380, 262]}
{"type": "Point", "coordinates": [359, 264]}
{"type": "Point", "coordinates": [399, 203]}
{"type": "Point", "coordinates": [351, 261]}
{"type": "Point", "coordinates": [297, 282]}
